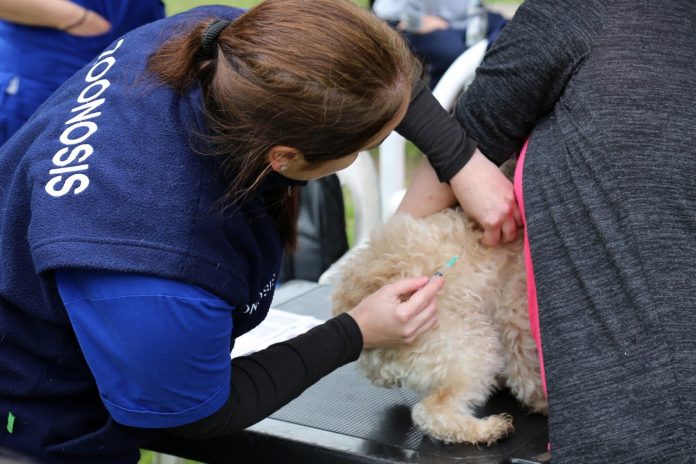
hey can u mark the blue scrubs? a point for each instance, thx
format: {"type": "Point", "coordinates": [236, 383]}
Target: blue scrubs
{"type": "Point", "coordinates": [35, 61]}
{"type": "Point", "coordinates": [158, 348]}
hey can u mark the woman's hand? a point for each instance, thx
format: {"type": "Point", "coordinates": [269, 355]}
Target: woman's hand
{"type": "Point", "coordinates": [426, 25]}
{"type": "Point", "coordinates": [487, 196]}
{"type": "Point", "coordinates": [431, 24]}
{"type": "Point", "coordinates": [385, 318]}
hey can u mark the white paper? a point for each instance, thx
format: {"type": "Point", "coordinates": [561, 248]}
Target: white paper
{"type": "Point", "coordinates": [278, 326]}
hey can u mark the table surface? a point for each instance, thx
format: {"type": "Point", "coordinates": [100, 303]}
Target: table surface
{"type": "Point", "coordinates": [347, 419]}
{"type": "Point", "coordinates": [343, 418]}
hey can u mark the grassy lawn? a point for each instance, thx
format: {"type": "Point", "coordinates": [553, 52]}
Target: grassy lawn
{"type": "Point", "coordinates": [175, 6]}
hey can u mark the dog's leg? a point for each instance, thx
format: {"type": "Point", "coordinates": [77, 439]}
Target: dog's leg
{"type": "Point", "coordinates": [524, 382]}
{"type": "Point", "coordinates": [521, 372]}
{"type": "Point", "coordinates": [449, 418]}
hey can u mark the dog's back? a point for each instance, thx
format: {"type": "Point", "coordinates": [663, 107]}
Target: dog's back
{"type": "Point", "coordinates": [482, 333]}
{"type": "Point", "coordinates": [409, 247]}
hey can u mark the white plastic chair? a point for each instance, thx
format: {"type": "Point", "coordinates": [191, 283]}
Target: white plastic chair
{"type": "Point", "coordinates": [362, 182]}
{"type": "Point", "coordinates": [375, 199]}
{"type": "Point", "coordinates": [166, 459]}
{"type": "Point", "coordinates": [392, 151]}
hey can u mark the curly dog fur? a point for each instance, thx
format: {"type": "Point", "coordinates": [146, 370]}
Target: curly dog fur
{"type": "Point", "coordinates": [482, 340]}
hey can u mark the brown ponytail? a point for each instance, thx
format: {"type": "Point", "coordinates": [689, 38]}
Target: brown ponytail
{"type": "Point", "coordinates": [322, 76]}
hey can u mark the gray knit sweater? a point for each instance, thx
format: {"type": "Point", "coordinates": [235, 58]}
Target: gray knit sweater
{"type": "Point", "coordinates": [605, 90]}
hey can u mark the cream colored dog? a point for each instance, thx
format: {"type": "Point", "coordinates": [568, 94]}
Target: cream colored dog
{"type": "Point", "coordinates": [482, 340]}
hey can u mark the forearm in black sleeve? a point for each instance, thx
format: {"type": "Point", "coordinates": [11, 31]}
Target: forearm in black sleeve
{"type": "Point", "coordinates": [265, 381]}
{"type": "Point", "coordinates": [526, 72]}
{"type": "Point", "coordinates": [428, 125]}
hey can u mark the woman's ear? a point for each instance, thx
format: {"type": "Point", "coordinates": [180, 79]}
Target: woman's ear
{"type": "Point", "coordinates": [281, 157]}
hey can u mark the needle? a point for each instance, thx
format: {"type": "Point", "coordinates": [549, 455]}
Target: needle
{"type": "Point", "coordinates": [447, 266]}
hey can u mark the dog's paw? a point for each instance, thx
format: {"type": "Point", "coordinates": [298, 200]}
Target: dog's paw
{"type": "Point", "coordinates": [387, 383]}
{"type": "Point", "coordinates": [494, 428]}
{"type": "Point", "coordinates": [450, 426]}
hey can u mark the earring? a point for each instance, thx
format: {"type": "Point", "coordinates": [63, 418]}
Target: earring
{"type": "Point", "coordinates": [283, 167]}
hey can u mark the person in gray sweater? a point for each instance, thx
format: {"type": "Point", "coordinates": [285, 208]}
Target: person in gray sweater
{"type": "Point", "coordinates": [438, 31]}
{"type": "Point", "coordinates": [598, 96]}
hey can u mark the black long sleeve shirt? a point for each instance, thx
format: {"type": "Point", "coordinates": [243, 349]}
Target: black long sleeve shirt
{"type": "Point", "coordinates": [264, 381]}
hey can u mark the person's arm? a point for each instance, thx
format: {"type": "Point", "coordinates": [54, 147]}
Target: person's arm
{"type": "Point", "coordinates": [483, 192]}
{"type": "Point", "coordinates": [519, 81]}
{"type": "Point", "coordinates": [426, 194]}
{"type": "Point", "coordinates": [435, 133]}
{"type": "Point", "coordinates": [159, 349]}
{"type": "Point", "coordinates": [518, 84]}
{"type": "Point", "coordinates": [480, 188]}
{"type": "Point", "coordinates": [265, 381]}
{"type": "Point", "coordinates": [57, 14]}
{"type": "Point", "coordinates": [525, 73]}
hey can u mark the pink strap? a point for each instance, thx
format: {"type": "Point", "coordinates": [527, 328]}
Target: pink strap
{"type": "Point", "coordinates": [531, 286]}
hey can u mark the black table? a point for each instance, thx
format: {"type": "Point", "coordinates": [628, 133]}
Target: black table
{"type": "Point", "coordinates": [343, 418]}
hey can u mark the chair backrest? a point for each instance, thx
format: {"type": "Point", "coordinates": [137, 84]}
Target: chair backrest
{"type": "Point", "coordinates": [459, 75]}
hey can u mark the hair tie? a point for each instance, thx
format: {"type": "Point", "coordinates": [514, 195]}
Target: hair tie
{"type": "Point", "coordinates": [210, 36]}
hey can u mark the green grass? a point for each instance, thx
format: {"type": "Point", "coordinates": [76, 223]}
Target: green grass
{"type": "Point", "coordinates": [176, 6]}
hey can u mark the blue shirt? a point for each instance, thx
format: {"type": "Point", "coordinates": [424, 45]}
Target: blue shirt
{"type": "Point", "coordinates": [158, 348]}
{"type": "Point", "coordinates": [35, 61]}
{"type": "Point", "coordinates": [50, 55]}
{"type": "Point", "coordinates": [105, 179]}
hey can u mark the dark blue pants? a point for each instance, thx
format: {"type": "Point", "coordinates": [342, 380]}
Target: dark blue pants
{"type": "Point", "coordinates": [439, 49]}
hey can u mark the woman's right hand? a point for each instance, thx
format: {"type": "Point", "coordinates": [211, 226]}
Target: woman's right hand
{"type": "Point", "coordinates": [487, 196]}
{"type": "Point", "coordinates": [385, 318]}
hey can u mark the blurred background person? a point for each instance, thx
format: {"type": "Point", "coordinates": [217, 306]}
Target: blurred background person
{"type": "Point", "coordinates": [438, 31]}
{"type": "Point", "coordinates": [44, 42]}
